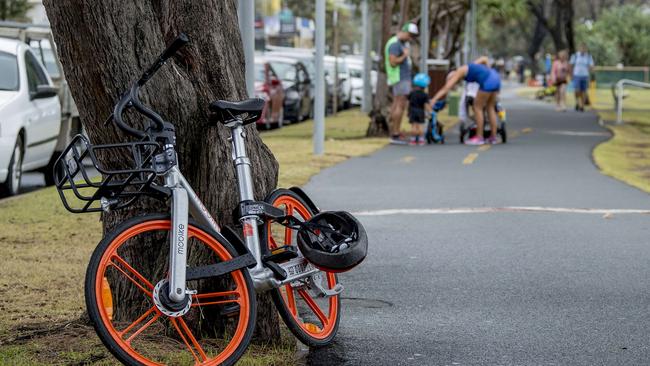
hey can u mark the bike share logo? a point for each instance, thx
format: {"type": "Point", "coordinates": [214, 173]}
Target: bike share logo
{"type": "Point", "coordinates": [180, 239]}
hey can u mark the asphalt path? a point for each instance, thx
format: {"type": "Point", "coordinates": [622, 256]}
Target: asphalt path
{"type": "Point", "coordinates": [516, 254]}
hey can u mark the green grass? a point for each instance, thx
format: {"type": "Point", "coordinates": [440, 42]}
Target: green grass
{"type": "Point", "coordinates": [45, 251]}
{"type": "Point", "coordinates": [626, 156]}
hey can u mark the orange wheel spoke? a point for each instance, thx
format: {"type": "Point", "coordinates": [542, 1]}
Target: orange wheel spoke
{"type": "Point", "coordinates": [314, 307]}
{"type": "Point", "coordinates": [137, 321]}
{"type": "Point", "coordinates": [291, 300]}
{"type": "Point", "coordinates": [272, 242]}
{"type": "Point", "coordinates": [138, 276]}
{"type": "Point", "coordinates": [212, 298]}
{"type": "Point", "coordinates": [185, 333]}
{"type": "Point", "coordinates": [142, 328]}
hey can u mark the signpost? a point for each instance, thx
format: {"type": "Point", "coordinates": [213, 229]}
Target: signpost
{"type": "Point", "coordinates": [246, 13]}
{"type": "Point", "coordinates": [319, 102]}
{"type": "Point", "coordinates": [366, 102]}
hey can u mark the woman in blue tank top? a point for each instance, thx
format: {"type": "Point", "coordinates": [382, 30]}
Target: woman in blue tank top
{"type": "Point", "coordinates": [490, 84]}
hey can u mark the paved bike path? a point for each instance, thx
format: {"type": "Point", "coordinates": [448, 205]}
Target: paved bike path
{"type": "Point", "coordinates": [496, 266]}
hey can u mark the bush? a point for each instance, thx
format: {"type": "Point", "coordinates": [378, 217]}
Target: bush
{"type": "Point", "coordinates": [621, 34]}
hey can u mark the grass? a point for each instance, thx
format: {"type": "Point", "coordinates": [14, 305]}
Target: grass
{"type": "Point", "coordinates": [45, 251]}
{"type": "Point", "coordinates": [626, 156]}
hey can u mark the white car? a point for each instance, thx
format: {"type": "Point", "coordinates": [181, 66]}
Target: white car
{"type": "Point", "coordinates": [356, 77]}
{"type": "Point", "coordinates": [345, 83]}
{"type": "Point", "coordinates": [30, 114]}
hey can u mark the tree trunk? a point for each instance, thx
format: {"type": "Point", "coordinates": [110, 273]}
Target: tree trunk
{"type": "Point", "coordinates": [378, 125]}
{"type": "Point", "coordinates": [105, 45]}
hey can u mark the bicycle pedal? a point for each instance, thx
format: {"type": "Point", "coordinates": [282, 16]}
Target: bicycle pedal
{"type": "Point", "coordinates": [229, 310]}
{"type": "Point", "coordinates": [282, 254]}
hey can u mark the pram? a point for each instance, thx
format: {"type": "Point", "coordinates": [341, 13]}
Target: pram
{"type": "Point", "coordinates": [467, 126]}
{"type": "Point", "coordinates": [435, 130]}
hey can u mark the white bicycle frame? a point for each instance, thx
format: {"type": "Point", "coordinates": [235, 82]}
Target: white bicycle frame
{"type": "Point", "coordinates": [185, 201]}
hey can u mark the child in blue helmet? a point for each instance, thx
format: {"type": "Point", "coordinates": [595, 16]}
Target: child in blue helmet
{"type": "Point", "coordinates": [419, 107]}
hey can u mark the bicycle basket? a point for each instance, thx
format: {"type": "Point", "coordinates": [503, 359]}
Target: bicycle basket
{"type": "Point", "coordinates": [85, 184]}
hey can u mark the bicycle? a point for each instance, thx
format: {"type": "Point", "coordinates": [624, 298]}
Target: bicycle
{"type": "Point", "coordinates": [208, 305]}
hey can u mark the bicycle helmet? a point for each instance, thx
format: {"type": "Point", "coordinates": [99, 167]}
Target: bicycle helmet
{"type": "Point", "coordinates": [422, 80]}
{"type": "Point", "coordinates": [334, 241]}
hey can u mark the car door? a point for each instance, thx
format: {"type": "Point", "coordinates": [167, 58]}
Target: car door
{"type": "Point", "coordinates": [304, 90]}
{"type": "Point", "coordinates": [44, 118]}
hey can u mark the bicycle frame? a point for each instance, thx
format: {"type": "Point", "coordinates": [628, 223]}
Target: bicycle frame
{"type": "Point", "coordinates": [185, 202]}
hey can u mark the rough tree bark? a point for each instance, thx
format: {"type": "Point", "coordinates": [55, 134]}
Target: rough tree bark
{"type": "Point", "coordinates": [104, 45]}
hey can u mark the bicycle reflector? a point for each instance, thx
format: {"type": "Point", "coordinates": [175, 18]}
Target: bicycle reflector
{"type": "Point", "coordinates": [334, 241]}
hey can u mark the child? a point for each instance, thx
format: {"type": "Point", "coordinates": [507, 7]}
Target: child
{"type": "Point", "coordinates": [419, 107]}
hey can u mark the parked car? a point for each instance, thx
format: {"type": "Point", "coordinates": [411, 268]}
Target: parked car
{"type": "Point", "coordinates": [31, 115]}
{"type": "Point", "coordinates": [40, 38]}
{"type": "Point", "coordinates": [297, 87]}
{"type": "Point", "coordinates": [306, 56]}
{"type": "Point", "coordinates": [344, 86]}
{"type": "Point", "coordinates": [269, 87]}
{"type": "Point", "coordinates": [355, 65]}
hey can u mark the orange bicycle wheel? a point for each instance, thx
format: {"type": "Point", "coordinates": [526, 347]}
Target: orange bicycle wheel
{"type": "Point", "coordinates": [215, 329]}
{"type": "Point", "coordinates": [312, 319]}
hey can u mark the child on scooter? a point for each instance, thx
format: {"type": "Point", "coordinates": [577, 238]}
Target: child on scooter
{"type": "Point", "coordinates": [419, 108]}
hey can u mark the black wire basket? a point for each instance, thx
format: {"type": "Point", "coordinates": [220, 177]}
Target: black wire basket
{"type": "Point", "coordinates": [93, 178]}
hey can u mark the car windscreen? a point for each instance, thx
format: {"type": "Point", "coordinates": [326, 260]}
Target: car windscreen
{"type": "Point", "coordinates": [286, 71]}
{"type": "Point", "coordinates": [8, 72]}
{"type": "Point", "coordinates": [356, 73]}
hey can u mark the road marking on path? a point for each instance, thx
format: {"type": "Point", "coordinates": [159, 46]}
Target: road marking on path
{"type": "Point", "coordinates": [578, 133]}
{"type": "Point", "coordinates": [527, 130]}
{"type": "Point", "coordinates": [407, 159]}
{"type": "Point", "coordinates": [469, 159]}
{"type": "Point", "coordinates": [484, 148]}
{"type": "Point", "coordinates": [480, 210]}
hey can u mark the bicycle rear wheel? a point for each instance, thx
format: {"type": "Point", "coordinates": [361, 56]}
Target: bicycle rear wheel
{"type": "Point", "coordinates": [313, 320]}
{"type": "Point", "coordinates": [214, 329]}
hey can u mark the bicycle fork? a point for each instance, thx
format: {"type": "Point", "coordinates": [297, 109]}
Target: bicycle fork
{"type": "Point", "coordinates": [178, 242]}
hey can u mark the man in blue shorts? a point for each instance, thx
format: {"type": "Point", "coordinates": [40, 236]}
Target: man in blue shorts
{"type": "Point", "coordinates": [581, 66]}
{"type": "Point", "coordinates": [398, 73]}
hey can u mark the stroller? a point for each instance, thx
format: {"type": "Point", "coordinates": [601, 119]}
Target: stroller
{"type": "Point", "coordinates": [467, 126]}
{"type": "Point", "coordinates": [435, 131]}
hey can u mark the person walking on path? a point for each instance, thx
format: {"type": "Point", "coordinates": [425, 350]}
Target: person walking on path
{"type": "Point", "coordinates": [581, 66]}
{"type": "Point", "coordinates": [489, 86]}
{"type": "Point", "coordinates": [559, 78]}
{"type": "Point", "coordinates": [398, 73]}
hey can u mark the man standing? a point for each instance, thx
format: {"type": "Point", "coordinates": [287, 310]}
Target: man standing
{"type": "Point", "coordinates": [398, 72]}
{"type": "Point", "coordinates": [581, 66]}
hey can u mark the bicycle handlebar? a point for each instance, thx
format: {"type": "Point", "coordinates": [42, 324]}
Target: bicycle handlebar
{"type": "Point", "coordinates": [178, 43]}
{"type": "Point", "coordinates": [131, 99]}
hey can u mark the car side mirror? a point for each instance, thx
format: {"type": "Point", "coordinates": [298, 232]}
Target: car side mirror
{"type": "Point", "coordinates": [44, 91]}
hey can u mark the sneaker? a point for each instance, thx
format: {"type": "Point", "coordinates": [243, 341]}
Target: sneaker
{"type": "Point", "coordinates": [475, 141]}
{"type": "Point", "coordinates": [422, 142]}
{"type": "Point", "coordinates": [492, 140]}
{"type": "Point", "coordinates": [396, 140]}
{"type": "Point", "coordinates": [412, 142]}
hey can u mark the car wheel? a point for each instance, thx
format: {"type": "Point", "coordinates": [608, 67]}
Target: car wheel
{"type": "Point", "coordinates": [48, 171]}
{"type": "Point", "coordinates": [12, 185]}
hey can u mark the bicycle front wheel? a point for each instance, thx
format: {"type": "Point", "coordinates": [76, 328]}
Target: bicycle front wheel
{"type": "Point", "coordinates": [125, 274]}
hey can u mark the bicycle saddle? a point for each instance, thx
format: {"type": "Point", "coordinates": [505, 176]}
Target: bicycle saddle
{"type": "Point", "coordinates": [249, 110]}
